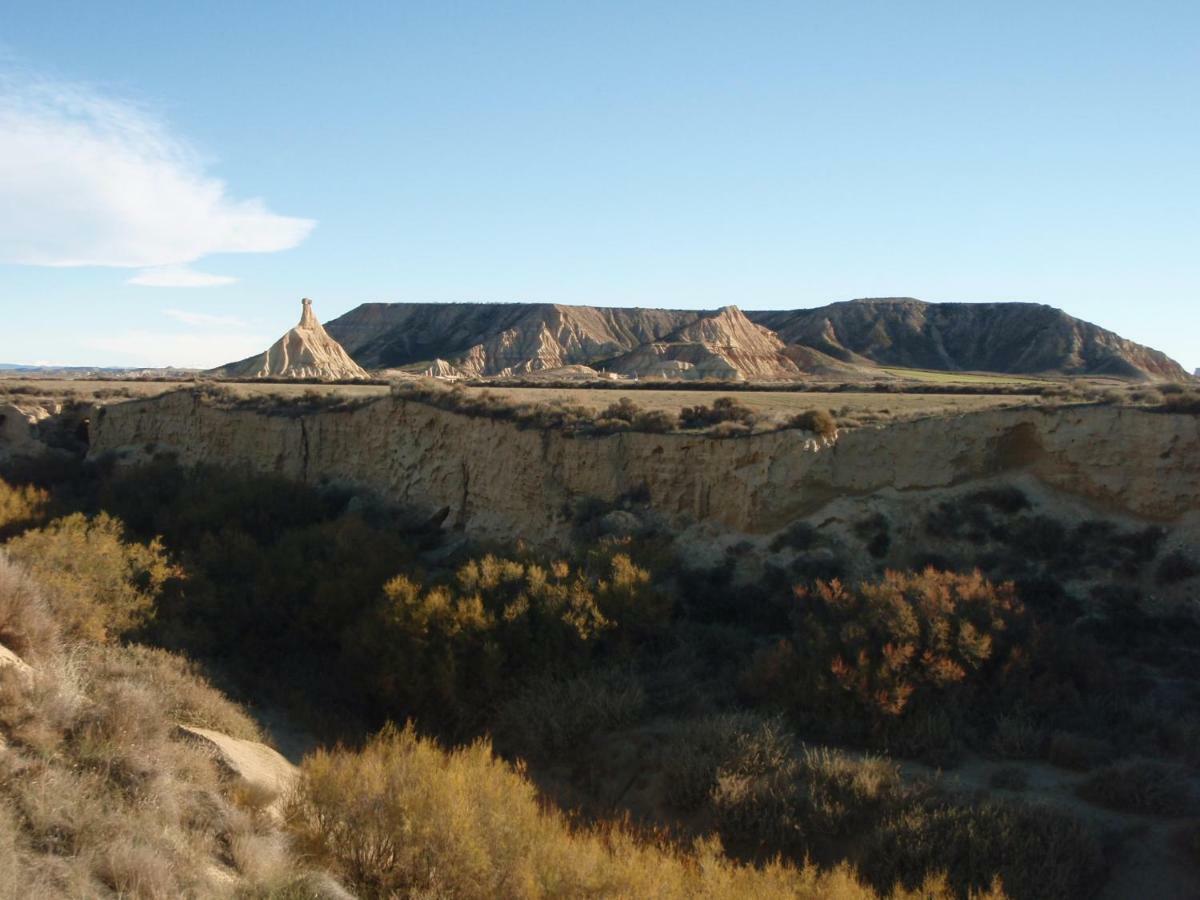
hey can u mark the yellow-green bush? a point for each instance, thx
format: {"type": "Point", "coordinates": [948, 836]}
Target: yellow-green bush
{"type": "Point", "coordinates": [627, 596]}
{"type": "Point", "coordinates": [451, 649]}
{"type": "Point", "coordinates": [98, 584]}
{"type": "Point", "coordinates": [403, 818]}
{"type": "Point", "coordinates": [20, 507]}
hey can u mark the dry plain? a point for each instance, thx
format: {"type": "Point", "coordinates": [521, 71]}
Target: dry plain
{"type": "Point", "coordinates": [867, 404]}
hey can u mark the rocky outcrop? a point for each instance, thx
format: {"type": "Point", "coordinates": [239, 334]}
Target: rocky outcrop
{"type": "Point", "coordinates": [725, 345]}
{"type": "Point", "coordinates": [261, 772]}
{"type": "Point", "coordinates": [19, 427]}
{"type": "Point", "coordinates": [503, 482]}
{"type": "Point", "coordinates": [981, 337]}
{"type": "Point", "coordinates": [488, 339]}
{"type": "Point", "coordinates": [439, 368]}
{"type": "Point", "coordinates": [498, 338]}
{"type": "Point", "coordinates": [10, 660]}
{"type": "Point", "coordinates": [306, 351]}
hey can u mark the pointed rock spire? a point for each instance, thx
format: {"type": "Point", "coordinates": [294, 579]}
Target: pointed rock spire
{"type": "Point", "coordinates": [307, 351]}
{"type": "Point", "coordinates": [308, 319]}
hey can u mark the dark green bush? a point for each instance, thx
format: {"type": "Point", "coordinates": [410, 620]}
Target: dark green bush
{"type": "Point", "coordinates": [723, 409]}
{"type": "Point", "coordinates": [1037, 852]}
{"type": "Point", "coordinates": [1183, 402]}
{"type": "Point", "coordinates": [1009, 778]}
{"type": "Point", "coordinates": [551, 719]}
{"type": "Point", "coordinates": [1077, 751]}
{"type": "Point", "coordinates": [1141, 786]}
{"type": "Point", "coordinates": [1175, 567]}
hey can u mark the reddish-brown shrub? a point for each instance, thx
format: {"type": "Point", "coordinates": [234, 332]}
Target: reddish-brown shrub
{"type": "Point", "coordinates": [870, 654]}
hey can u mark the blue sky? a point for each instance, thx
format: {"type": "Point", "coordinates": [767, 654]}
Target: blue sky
{"type": "Point", "coordinates": [772, 155]}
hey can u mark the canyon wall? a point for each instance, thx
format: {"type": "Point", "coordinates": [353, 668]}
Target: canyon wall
{"type": "Point", "coordinates": [503, 482]}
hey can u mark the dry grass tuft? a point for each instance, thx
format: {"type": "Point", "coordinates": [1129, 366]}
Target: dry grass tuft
{"type": "Point", "coordinates": [98, 797]}
{"type": "Point", "coordinates": [26, 626]}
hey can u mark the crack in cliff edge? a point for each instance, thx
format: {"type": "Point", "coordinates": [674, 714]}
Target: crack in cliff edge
{"type": "Point", "coordinates": [466, 488]}
{"type": "Point", "coordinates": [303, 451]}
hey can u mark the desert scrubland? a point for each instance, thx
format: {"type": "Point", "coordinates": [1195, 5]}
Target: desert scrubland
{"type": "Point", "coordinates": [543, 642]}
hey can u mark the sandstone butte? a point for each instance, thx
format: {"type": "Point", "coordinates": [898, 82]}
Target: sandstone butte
{"type": "Point", "coordinates": [306, 351]}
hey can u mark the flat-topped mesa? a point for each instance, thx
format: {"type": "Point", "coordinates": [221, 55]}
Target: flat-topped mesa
{"type": "Point", "coordinates": [306, 351]}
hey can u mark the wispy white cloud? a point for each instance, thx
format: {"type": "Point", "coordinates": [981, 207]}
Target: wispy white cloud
{"type": "Point", "coordinates": [178, 276]}
{"type": "Point", "coordinates": [204, 319]}
{"type": "Point", "coordinates": [88, 180]}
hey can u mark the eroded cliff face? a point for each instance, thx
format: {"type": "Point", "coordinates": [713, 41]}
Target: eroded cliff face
{"type": "Point", "coordinates": [502, 482]}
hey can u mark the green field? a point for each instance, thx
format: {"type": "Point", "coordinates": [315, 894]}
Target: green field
{"type": "Point", "coordinates": [940, 377]}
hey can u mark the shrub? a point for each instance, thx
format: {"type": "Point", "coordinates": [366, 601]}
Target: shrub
{"type": "Point", "coordinates": [27, 627]}
{"type": "Point", "coordinates": [1183, 403]}
{"type": "Point", "coordinates": [1187, 839]}
{"type": "Point", "coordinates": [1009, 778]}
{"type": "Point", "coordinates": [627, 597]}
{"type": "Point", "coordinates": [449, 650]}
{"type": "Point", "coordinates": [656, 421]}
{"type": "Point", "coordinates": [1175, 567]}
{"type": "Point", "coordinates": [767, 794]}
{"type": "Point", "coordinates": [1017, 737]}
{"type": "Point", "coordinates": [625, 413]}
{"type": "Point", "coordinates": [1141, 786]}
{"type": "Point", "coordinates": [841, 793]}
{"type": "Point", "coordinates": [1077, 751]}
{"type": "Point", "coordinates": [1036, 851]}
{"type": "Point", "coordinates": [910, 641]}
{"type": "Point", "coordinates": [818, 421]}
{"type": "Point", "coordinates": [730, 429]}
{"type": "Point", "coordinates": [98, 584]}
{"type": "Point", "coordinates": [738, 744]}
{"type": "Point", "coordinates": [20, 507]}
{"type": "Point", "coordinates": [550, 718]}
{"type": "Point", "coordinates": [800, 535]}
{"type": "Point", "coordinates": [403, 818]}
{"type": "Point", "coordinates": [1004, 498]}
{"type": "Point", "coordinates": [876, 531]}
{"type": "Point", "coordinates": [723, 409]}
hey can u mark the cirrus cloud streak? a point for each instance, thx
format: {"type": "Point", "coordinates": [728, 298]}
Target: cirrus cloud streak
{"type": "Point", "coordinates": [87, 180]}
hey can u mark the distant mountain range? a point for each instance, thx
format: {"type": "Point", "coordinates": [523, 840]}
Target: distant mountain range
{"type": "Point", "coordinates": [484, 339]}
{"type": "Point", "coordinates": [79, 372]}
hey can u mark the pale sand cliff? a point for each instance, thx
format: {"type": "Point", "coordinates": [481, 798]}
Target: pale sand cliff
{"type": "Point", "coordinates": [503, 482]}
